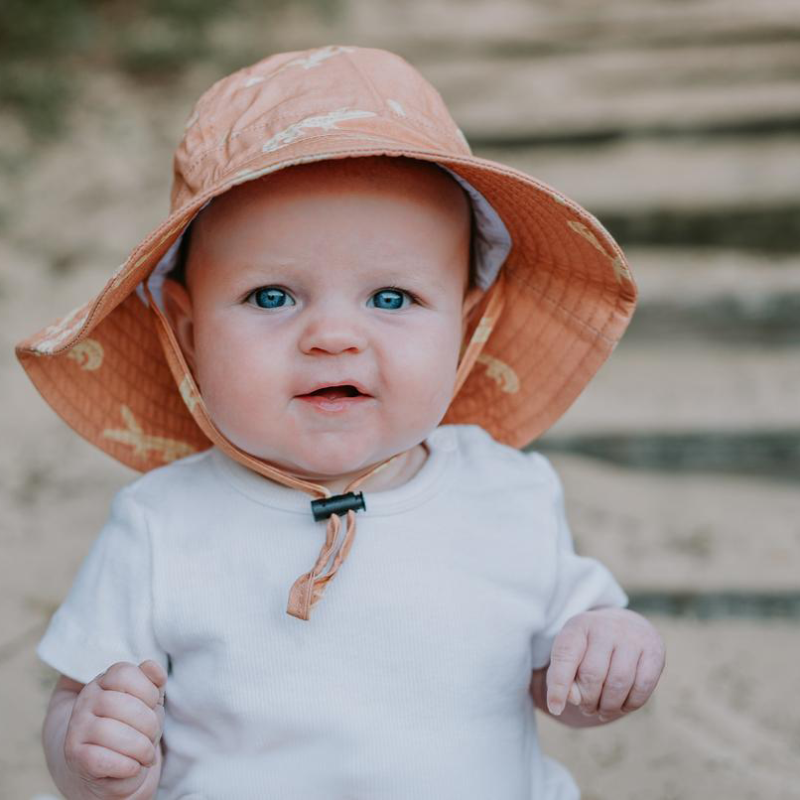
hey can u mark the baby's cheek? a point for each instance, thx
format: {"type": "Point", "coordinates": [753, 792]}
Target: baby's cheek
{"type": "Point", "coordinates": [426, 383]}
{"type": "Point", "coordinates": [238, 395]}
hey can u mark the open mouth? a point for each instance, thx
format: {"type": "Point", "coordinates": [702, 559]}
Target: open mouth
{"type": "Point", "coordinates": [336, 399]}
{"type": "Point", "coordinates": [336, 392]}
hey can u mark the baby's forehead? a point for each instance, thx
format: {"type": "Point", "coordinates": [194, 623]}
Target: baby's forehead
{"type": "Point", "coordinates": [481, 230]}
{"type": "Point", "coordinates": [405, 202]}
{"type": "Point", "coordinates": [399, 211]}
{"type": "Point", "coordinates": [421, 182]}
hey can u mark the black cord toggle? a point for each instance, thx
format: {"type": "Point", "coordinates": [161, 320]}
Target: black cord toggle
{"type": "Point", "coordinates": [337, 504]}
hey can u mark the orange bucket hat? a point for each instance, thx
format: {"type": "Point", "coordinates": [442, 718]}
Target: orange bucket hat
{"type": "Point", "coordinates": [559, 298]}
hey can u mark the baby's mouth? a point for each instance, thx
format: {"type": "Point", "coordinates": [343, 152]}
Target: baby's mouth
{"type": "Point", "coordinates": [337, 398]}
{"type": "Point", "coordinates": [335, 392]}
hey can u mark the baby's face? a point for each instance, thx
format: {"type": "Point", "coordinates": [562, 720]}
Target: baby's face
{"type": "Point", "coordinates": [349, 274]}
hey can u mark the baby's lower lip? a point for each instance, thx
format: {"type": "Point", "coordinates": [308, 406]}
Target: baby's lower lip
{"type": "Point", "coordinates": [323, 403]}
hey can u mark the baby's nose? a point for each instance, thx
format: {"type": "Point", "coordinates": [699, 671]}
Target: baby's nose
{"type": "Point", "coordinates": [334, 330]}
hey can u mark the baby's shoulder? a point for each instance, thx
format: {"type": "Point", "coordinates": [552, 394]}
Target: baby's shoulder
{"type": "Point", "coordinates": [176, 482]}
{"type": "Point", "coordinates": [494, 461]}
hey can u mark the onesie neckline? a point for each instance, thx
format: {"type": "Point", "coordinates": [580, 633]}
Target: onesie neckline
{"type": "Point", "coordinates": [442, 447]}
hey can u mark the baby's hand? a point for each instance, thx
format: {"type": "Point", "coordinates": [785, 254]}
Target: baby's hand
{"type": "Point", "coordinates": [115, 728]}
{"type": "Point", "coordinates": [607, 661]}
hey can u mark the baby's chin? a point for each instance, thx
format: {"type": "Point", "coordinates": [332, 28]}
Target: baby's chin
{"type": "Point", "coordinates": [324, 465]}
{"type": "Point", "coordinates": [324, 456]}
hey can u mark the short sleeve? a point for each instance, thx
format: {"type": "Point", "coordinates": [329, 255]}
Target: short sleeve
{"type": "Point", "coordinates": [107, 615]}
{"type": "Point", "coordinates": [581, 582]}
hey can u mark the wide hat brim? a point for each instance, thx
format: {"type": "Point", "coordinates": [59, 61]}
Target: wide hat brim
{"type": "Point", "coordinates": [569, 296]}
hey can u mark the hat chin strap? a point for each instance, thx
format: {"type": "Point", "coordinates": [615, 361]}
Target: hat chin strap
{"type": "Point", "coordinates": [308, 589]}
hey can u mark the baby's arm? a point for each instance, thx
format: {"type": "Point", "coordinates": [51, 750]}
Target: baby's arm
{"type": "Point", "coordinates": [102, 739]}
{"type": "Point", "coordinates": [606, 662]}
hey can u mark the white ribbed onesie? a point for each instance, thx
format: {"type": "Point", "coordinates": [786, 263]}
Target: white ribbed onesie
{"type": "Point", "coordinates": [411, 678]}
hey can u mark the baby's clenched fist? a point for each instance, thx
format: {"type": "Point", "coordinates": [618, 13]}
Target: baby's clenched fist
{"type": "Point", "coordinates": [114, 731]}
{"type": "Point", "coordinates": [607, 661]}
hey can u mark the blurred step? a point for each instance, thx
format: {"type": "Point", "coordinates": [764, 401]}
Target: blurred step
{"type": "Point", "coordinates": [690, 175]}
{"type": "Point", "coordinates": [773, 454]}
{"type": "Point", "coordinates": [663, 389]}
{"type": "Point", "coordinates": [604, 96]}
{"type": "Point", "coordinates": [740, 193]}
{"type": "Point", "coordinates": [589, 69]}
{"type": "Point", "coordinates": [522, 27]}
{"type": "Point", "coordinates": [769, 229]}
{"type": "Point", "coordinates": [721, 722]}
{"type": "Point", "coordinates": [728, 604]}
{"type": "Point", "coordinates": [719, 297]}
{"type": "Point", "coordinates": [684, 533]}
{"type": "Point", "coordinates": [770, 320]}
{"type": "Point", "coordinates": [703, 275]}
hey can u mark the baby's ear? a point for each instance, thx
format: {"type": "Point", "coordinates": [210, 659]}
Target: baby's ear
{"type": "Point", "coordinates": [178, 308]}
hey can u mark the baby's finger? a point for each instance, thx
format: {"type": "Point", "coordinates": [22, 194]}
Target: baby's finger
{"type": "Point", "coordinates": [592, 672]}
{"type": "Point", "coordinates": [154, 671]}
{"type": "Point", "coordinates": [157, 674]}
{"type": "Point", "coordinates": [126, 677]}
{"type": "Point", "coordinates": [94, 761]}
{"type": "Point", "coordinates": [568, 649]}
{"type": "Point", "coordinates": [648, 671]}
{"type": "Point", "coordinates": [574, 695]}
{"type": "Point", "coordinates": [618, 682]}
{"type": "Point", "coordinates": [122, 739]}
{"type": "Point", "coordinates": [130, 710]}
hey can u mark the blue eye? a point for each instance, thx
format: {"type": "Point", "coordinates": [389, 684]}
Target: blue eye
{"type": "Point", "coordinates": [391, 299]}
{"type": "Point", "coordinates": [272, 297]}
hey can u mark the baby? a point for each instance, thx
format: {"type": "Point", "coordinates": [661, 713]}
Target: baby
{"type": "Point", "coordinates": [337, 266]}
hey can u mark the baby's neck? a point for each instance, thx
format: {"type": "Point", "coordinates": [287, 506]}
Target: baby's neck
{"type": "Point", "coordinates": [393, 475]}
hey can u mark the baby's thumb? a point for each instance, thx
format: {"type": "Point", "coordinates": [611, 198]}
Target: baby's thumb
{"type": "Point", "coordinates": [156, 673]}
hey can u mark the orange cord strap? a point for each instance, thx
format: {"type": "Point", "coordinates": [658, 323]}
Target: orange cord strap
{"type": "Point", "coordinates": [494, 308]}
{"type": "Point", "coordinates": [309, 588]}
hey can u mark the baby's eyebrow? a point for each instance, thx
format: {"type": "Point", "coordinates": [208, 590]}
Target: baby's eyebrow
{"type": "Point", "coordinates": [416, 277]}
{"type": "Point", "coordinates": [247, 273]}
{"type": "Point", "coordinates": [263, 266]}
{"type": "Point", "coordinates": [411, 281]}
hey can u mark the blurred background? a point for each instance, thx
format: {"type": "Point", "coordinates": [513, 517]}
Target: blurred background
{"type": "Point", "coordinates": [675, 122]}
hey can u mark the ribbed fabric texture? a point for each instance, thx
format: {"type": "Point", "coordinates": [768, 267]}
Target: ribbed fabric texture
{"type": "Point", "coordinates": [409, 681]}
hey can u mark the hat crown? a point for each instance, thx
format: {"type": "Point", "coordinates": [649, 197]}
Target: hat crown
{"type": "Point", "coordinates": [302, 94]}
